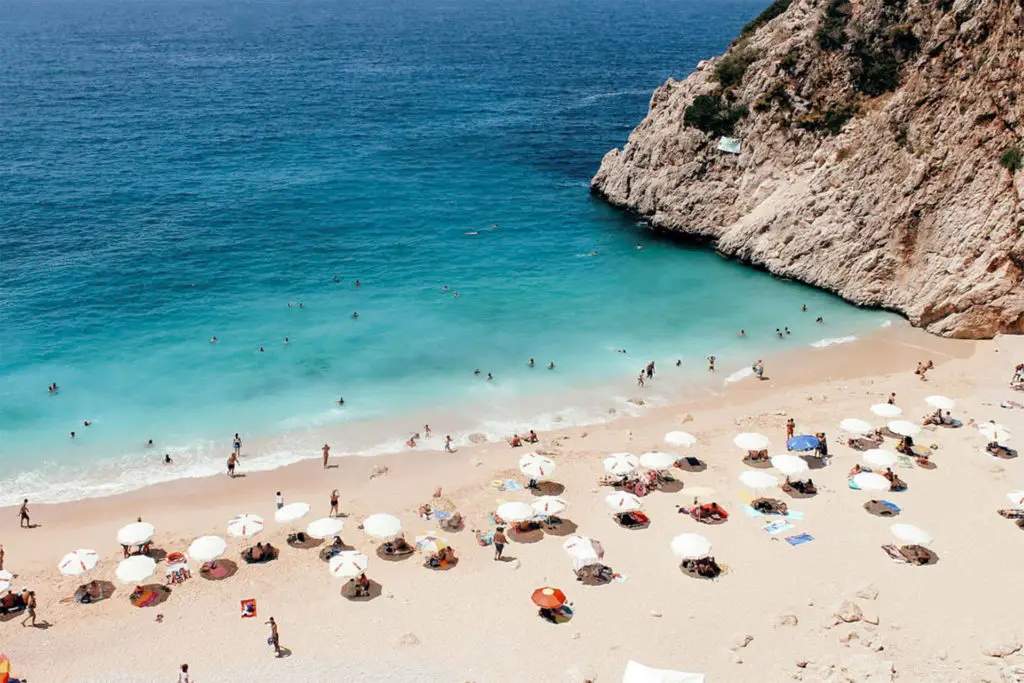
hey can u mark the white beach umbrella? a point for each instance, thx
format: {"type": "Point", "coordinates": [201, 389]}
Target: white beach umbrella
{"type": "Point", "coordinates": [207, 548]}
{"type": "Point", "coordinates": [657, 460]}
{"type": "Point", "coordinates": [691, 546]}
{"type": "Point", "coordinates": [291, 512]}
{"type": "Point", "coordinates": [903, 428]}
{"type": "Point", "coordinates": [583, 548]}
{"type": "Point", "coordinates": [878, 457]}
{"type": "Point", "coordinates": [871, 481]}
{"type": "Point", "coordinates": [751, 441]}
{"type": "Point", "coordinates": [1016, 498]}
{"type": "Point", "coordinates": [536, 466]}
{"type": "Point", "coordinates": [515, 512]}
{"type": "Point", "coordinates": [245, 526]}
{"type": "Point", "coordinates": [908, 533]}
{"type": "Point", "coordinates": [790, 465]}
{"type": "Point", "coordinates": [78, 562]}
{"type": "Point", "coordinates": [621, 464]}
{"type": "Point", "coordinates": [5, 580]}
{"type": "Point", "coordinates": [381, 525]}
{"type": "Point", "coordinates": [940, 402]}
{"type": "Point", "coordinates": [758, 480]}
{"type": "Point", "coordinates": [135, 569]}
{"type": "Point", "coordinates": [549, 505]}
{"type": "Point", "coordinates": [680, 439]}
{"type": "Point", "coordinates": [430, 544]}
{"type": "Point", "coordinates": [348, 564]}
{"type": "Point", "coordinates": [621, 501]}
{"type": "Point", "coordinates": [136, 533]}
{"type": "Point", "coordinates": [995, 432]}
{"type": "Point", "coordinates": [325, 527]}
{"type": "Point", "coordinates": [853, 425]}
{"type": "Point", "coordinates": [886, 410]}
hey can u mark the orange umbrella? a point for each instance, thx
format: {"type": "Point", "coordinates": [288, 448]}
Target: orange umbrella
{"type": "Point", "coordinates": [551, 598]}
{"type": "Point", "coordinates": [5, 669]}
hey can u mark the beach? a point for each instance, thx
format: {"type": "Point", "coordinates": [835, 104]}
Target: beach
{"type": "Point", "coordinates": [769, 616]}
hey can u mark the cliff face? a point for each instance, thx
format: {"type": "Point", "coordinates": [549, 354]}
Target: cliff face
{"type": "Point", "coordinates": [880, 155]}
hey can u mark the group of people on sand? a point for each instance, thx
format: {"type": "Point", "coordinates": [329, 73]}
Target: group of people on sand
{"type": "Point", "coordinates": [923, 368]}
{"type": "Point", "coordinates": [516, 441]}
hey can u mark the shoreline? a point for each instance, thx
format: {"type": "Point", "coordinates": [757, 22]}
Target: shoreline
{"type": "Point", "coordinates": [817, 386]}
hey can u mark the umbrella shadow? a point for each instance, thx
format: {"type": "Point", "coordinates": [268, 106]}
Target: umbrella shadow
{"type": "Point", "coordinates": [348, 591]}
{"type": "Point", "coordinates": [219, 570]}
{"type": "Point", "coordinates": [878, 509]}
{"type": "Point", "coordinates": [285, 652]}
{"type": "Point", "coordinates": [673, 486]}
{"type": "Point", "coordinates": [307, 544]}
{"type": "Point", "coordinates": [447, 566]}
{"type": "Point", "coordinates": [757, 464]}
{"type": "Point", "coordinates": [161, 594]}
{"type": "Point", "coordinates": [531, 536]}
{"type": "Point", "coordinates": [927, 465]}
{"type": "Point", "coordinates": [564, 527]}
{"type": "Point", "coordinates": [691, 464]}
{"type": "Point", "coordinates": [157, 554]}
{"type": "Point", "coordinates": [392, 557]}
{"type": "Point", "coordinates": [548, 488]}
{"type": "Point", "coordinates": [796, 495]}
{"type": "Point", "coordinates": [813, 462]}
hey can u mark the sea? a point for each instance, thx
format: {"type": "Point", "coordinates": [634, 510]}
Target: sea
{"type": "Point", "coordinates": [261, 171]}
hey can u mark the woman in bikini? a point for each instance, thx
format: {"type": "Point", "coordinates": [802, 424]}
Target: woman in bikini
{"type": "Point", "coordinates": [334, 504]}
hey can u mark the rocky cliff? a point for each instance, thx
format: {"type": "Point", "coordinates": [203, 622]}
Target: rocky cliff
{"type": "Point", "coordinates": [880, 155]}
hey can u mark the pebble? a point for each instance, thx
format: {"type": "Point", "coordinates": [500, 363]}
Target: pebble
{"type": "Point", "coordinates": [786, 620]}
{"type": "Point", "coordinates": [656, 613]}
{"type": "Point", "coordinates": [849, 612]}
{"type": "Point", "coordinates": [1003, 648]}
{"type": "Point", "coordinates": [741, 641]}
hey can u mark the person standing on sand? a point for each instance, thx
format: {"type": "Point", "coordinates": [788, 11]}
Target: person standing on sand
{"type": "Point", "coordinates": [237, 443]}
{"type": "Point", "coordinates": [326, 450]}
{"type": "Point", "coordinates": [334, 505]}
{"type": "Point", "coordinates": [279, 500]}
{"type": "Point", "coordinates": [448, 443]}
{"type": "Point", "coordinates": [499, 542]}
{"type": "Point", "coordinates": [183, 676]}
{"type": "Point", "coordinates": [275, 638]}
{"type": "Point", "coordinates": [790, 428]}
{"type": "Point", "coordinates": [1, 558]}
{"type": "Point", "coordinates": [426, 430]}
{"type": "Point", "coordinates": [892, 399]}
{"type": "Point", "coordinates": [30, 608]}
{"type": "Point", "coordinates": [23, 512]}
{"type": "Point", "coordinates": [640, 379]}
{"type": "Point", "coordinates": [232, 460]}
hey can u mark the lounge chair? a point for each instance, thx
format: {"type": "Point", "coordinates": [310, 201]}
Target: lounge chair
{"type": "Point", "coordinates": [633, 520]}
{"type": "Point", "coordinates": [1010, 513]}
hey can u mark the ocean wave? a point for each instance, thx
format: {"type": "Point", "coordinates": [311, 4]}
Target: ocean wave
{"type": "Point", "coordinates": [832, 341]}
{"type": "Point", "coordinates": [740, 374]}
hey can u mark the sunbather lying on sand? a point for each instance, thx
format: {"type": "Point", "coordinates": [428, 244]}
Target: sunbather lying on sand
{"type": "Point", "coordinates": [709, 513]}
{"type": "Point", "coordinates": [398, 546]}
{"type": "Point", "coordinates": [757, 456]}
{"type": "Point", "coordinates": [769, 506]}
{"type": "Point", "coordinates": [805, 487]}
{"type": "Point", "coordinates": [705, 567]}
{"type": "Point", "coordinates": [1000, 451]}
{"type": "Point", "coordinates": [895, 483]}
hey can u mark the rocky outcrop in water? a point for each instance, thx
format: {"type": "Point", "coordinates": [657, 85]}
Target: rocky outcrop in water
{"type": "Point", "coordinates": [881, 155]}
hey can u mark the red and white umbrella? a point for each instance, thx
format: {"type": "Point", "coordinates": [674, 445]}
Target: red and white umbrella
{"type": "Point", "coordinates": [78, 562]}
{"type": "Point", "coordinates": [621, 464]}
{"type": "Point", "coordinates": [348, 564]}
{"type": "Point", "coordinates": [584, 548]}
{"type": "Point", "coordinates": [622, 501]}
{"type": "Point", "coordinates": [549, 505]}
{"type": "Point", "coordinates": [245, 526]}
{"type": "Point", "coordinates": [536, 466]}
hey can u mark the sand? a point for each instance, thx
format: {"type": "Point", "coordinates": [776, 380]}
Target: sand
{"type": "Point", "coordinates": [476, 622]}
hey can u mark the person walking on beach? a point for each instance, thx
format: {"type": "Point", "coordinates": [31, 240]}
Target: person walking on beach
{"type": "Point", "coordinates": [279, 500]}
{"type": "Point", "coordinates": [232, 460]}
{"type": "Point", "coordinates": [650, 370]}
{"type": "Point", "coordinates": [23, 512]}
{"type": "Point", "coordinates": [892, 399]}
{"type": "Point", "coordinates": [183, 676]}
{"type": "Point", "coordinates": [640, 379]}
{"type": "Point", "coordinates": [499, 542]}
{"type": "Point", "coordinates": [790, 428]}
{"type": "Point", "coordinates": [327, 454]}
{"type": "Point", "coordinates": [275, 638]}
{"type": "Point", "coordinates": [426, 430]}
{"type": "Point", "coordinates": [448, 443]}
{"type": "Point", "coordinates": [334, 505]}
{"type": "Point", "coordinates": [711, 363]}
{"type": "Point", "coordinates": [30, 608]}
{"type": "Point", "coordinates": [237, 444]}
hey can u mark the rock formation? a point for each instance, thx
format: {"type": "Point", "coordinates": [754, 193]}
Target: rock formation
{"type": "Point", "coordinates": [881, 156]}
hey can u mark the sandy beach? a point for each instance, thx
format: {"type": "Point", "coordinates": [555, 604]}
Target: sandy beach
{"type": "Point", "coordinates": [768, 617]}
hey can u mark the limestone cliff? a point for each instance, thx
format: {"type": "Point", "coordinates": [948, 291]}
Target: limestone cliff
{"type": "Point", "coordinates": [881, 155]}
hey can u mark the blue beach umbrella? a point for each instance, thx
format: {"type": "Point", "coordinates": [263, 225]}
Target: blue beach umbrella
{"type": "Point", "coordinates": [804, 442]}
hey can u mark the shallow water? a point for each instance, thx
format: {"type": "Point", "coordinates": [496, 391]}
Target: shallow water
{"type": "Point", "coordinates": [179, 170]}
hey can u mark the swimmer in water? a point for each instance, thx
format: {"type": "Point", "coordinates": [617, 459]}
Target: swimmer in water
{"type": "Point", "coordinates": [455, 293]}
{"type": "Point", "coordinates": [445, 288]}
{"type": "Point", "coordinates": [53, 389]}
{"type": "Point", "coordinates": [477, 371]}
{"type": "Point", "coordinates": [743, 333]}
{"type": "Point", "coordinates": [341, 400]}
{"type": "Point", "coordinates": [787, 330]}
{"type": "Point", "coordinates": [72, 435]}
{"type": "Point", "coordinates": [261, 349]}
{"type": "Point", "coordinates": [778, 333]}
{"type": "Point", "coordinates": [530, 363]}
{"type": "Point", "coordinates": [804, 308]}
{"type": "Point", "coordinates": [86, 423]}
{"type": "Point", "coordinates": [358, 283]}
{"type": "Point", "coordinates": [287, 341]}
{"type": "Point", "coordinates": [551, 365]}
{"type": "Point", "coordinates": [167, 458]}
{"type": "Point", "coordinates": [213, 340]}
{"type": "Point", "coordinates": [679, 363]}
{"type": "Point", "coordinates": [337, 279]}
{"type": "Point", "coordinates": [300, 304]}
{"type": "Point", "coordinates": [820, 320]}
{"type": "Point", "coordinates": [639, 247]}
{"type": "Point", "coordinates": [149, 444]}
{"type": "Point", "coordinates": [490, 377]}
{"type": "Point", "coordinates": [355, 314]}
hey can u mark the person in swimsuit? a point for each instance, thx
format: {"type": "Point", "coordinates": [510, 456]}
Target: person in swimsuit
{"type": "Point", "coordinates": [334, 504]}
{"type": "Point", "coordinates": [167, 458]}
{"type": "Point", "coordinates": [530, 363]}
{"type": "Point", "coordinates": [183, 676]}
{"type": "Point", "coordinates": [448, 443]}
{"type": "Point", "coordinates": [326, 450]}
{"type": "Point", "coordinates": [355, 314]}
{"type": "Point", "coordinates": [790, 428]}
{"type": "Point", "coordinates": [237, 443]}
{"type": "Point", "coordinates": [25, 521]}
{"type": "Point", "coordinates": [711, 363]}
{"type": "Point", "coordinates": [72, 435]}
{"type": "Point", "coordinates": [551, 365]}
{"type": "Point", "coordinates": [275, 637]}
{"type": "Point", "coordinates": [499, 542]}
{"type": "Point", "coordinates": [426, 430]}
{"type": "Point", "coordinates": [30, 608]}
{"type": "Point", "coordinates": [149, 444]}
{"type": "Point", "coordinates": [341, 400]}
{"type": "Point", "coordinates": [490, 377]}
{"type": "Point", "coordinates": [232, 459]}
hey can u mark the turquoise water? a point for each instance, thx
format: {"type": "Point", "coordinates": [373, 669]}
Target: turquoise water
{"type": "Point", "coordinates": [172, 171]}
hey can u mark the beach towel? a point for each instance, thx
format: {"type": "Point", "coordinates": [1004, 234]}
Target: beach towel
{"type": "Point", "coordinates": [751, 512]}
{"type": "Point", "coordinates": [799, 539]}
{"type": "Point", "coordinates": [441, 514]}
{"type": "Point", "coordinates": [892, 506]}
{"type": "Point", "coordinates": [145, 599]}
{"type": "Point", "coordinates": [793, 514]}
{"type": "Point", "coordinates": [511, 485]}
{"type": "Point", "coordinates": [904, 461]}
{"type": "Point", "coordinates": [248, 608]}
{"type": "Point", "coordinates": [777, 527]}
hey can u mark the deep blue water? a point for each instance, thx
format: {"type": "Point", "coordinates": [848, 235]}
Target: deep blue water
{"type": "Point", "coordinates": [172, 170]}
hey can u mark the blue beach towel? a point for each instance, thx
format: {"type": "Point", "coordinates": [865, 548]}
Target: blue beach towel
{"type": "Point", "coordinates": [892, 506]}
{"type": "Point", "coordinates": [793, 514]}
{"type": "Point", "coordinates": [799, 538]}
{"type": "Point", "coordinates": [777, 527]}
{"type": "Point", "coordinates": [441, 514]}
{"type": "Point", "coordinates": [512, 485]}
{"type": "Point", "coordinates": [751, 512]}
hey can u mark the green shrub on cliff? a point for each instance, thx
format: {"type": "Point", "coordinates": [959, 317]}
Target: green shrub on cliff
{"type": "Point", "coordinates": [832, 32]}
{"type": "Point", "coordinates": [730, 68]}
{"type": "Point", "coordinates": [711, 114]}
{"type": "Point", "coordinates": [1012, 159]}
{"type": "Point", "coordinates": [830, 121]}
{"type": "Point", "coordinates": [770, 12]}
{"type": "Point", "coordinates": [878, 71]}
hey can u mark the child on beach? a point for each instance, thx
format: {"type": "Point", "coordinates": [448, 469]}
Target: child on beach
{"type": "Point", "coordinates": [232, 460]}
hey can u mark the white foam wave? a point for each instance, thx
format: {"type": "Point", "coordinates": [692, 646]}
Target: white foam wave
{"type": "Point", "coordinates": [741, 374]}
{"type": "Point", "coordinates": [886, 323]}
{"type": "Point", "coordinates": [832, 341]}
